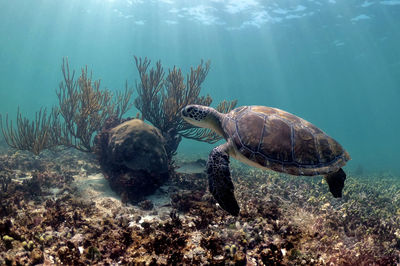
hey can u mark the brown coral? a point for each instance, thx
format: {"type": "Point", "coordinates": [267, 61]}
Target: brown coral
{"type": "Point", "coordinates": [85, 107]}
{"type": "Point", "coordinates": [35, 136]}
{"type": "Point", "coordinates": [83, 110]}
{"type": "Point", "coordinates": [160, 100]}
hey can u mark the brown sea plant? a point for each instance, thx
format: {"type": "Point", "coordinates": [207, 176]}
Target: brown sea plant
{"type": "Point", "coordinates": [162, 96]}
{"type": "Point", "coordinates": [85, 107]}
{"type": "Point", "coordinates": [39, 134]}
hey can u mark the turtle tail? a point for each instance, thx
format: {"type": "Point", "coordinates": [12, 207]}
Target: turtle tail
{"type": "Point", "coordinates": [336, 182]}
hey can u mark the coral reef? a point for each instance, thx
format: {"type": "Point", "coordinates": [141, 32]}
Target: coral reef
{"type": "Point", "coordinates": [54, 216]}
{"type": "Point", "coordinates": [133, 158]}
{"type": "Point", "coordinates": [57, 209]}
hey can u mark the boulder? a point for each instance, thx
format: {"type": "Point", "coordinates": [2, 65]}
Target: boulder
{"type": "Point", "coordinates": [133, 158]}
{"type": "Point", "coordinates": [138, 146]}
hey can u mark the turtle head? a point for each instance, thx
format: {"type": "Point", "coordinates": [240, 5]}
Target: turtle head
{"type": "Point", "coordinates": [197, 115]}
{"type": "Point", "coordinates": [202, 116]}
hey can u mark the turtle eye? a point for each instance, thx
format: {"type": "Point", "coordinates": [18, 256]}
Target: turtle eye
{"type": "Point", "coordinates": [189, 109]}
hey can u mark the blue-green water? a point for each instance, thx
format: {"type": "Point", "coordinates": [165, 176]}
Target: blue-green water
{"type": "Point", "coordinates": [334, 63]}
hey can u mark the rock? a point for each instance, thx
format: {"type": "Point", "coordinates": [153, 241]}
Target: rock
{"type": "Point", "coordinates": [240, 258]}
{"type": "Point", "coordinates": [138, 146]}
{"type": "Point", "coordinates": [36, 256]}
{"type": "Point", "coordinates": [146, 205]}
{"type": "Point", "coordinates": [8, 241]}
{"type": "Point", "coordinates": [133, 159]}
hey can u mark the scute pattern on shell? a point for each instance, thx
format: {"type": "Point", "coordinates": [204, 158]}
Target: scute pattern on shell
{"type": "Point", "coordinates": [282, 141]}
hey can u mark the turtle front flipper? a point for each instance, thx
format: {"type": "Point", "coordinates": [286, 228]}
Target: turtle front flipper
{"type": "Point", "coordinates": [336, 182]}
{"type": "Point", "coordinates": [219, 179]}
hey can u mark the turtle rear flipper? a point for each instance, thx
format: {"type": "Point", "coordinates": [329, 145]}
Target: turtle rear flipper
{"type": "Point", "coordinates": [219, 179]}
{"type": "Point", "coordinates": [336, 182]}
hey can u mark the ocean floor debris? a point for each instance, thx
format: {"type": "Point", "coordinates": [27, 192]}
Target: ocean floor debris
{"type": "Point", "coordinates": [58, 209]}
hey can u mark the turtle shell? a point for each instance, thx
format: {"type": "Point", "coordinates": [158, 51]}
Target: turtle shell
{"type": "Point", "coordinates": [283, 142]}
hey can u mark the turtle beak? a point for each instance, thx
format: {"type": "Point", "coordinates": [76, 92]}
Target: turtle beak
{"type": "Point", "coordinates": [184, 112]}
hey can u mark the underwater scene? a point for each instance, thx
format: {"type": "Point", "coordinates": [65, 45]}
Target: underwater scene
{"type": "Point", "coordinates": [199, 132]}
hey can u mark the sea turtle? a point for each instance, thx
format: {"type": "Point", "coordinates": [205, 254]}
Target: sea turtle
{"type": "Point", "coordinates": [267, 138]}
